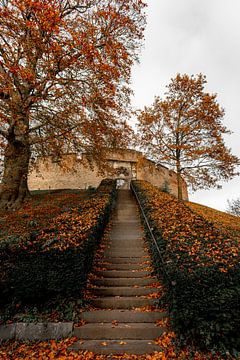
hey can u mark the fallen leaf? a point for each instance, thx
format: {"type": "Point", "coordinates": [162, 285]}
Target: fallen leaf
{"type": "Point", "coordinates": [104, 343]}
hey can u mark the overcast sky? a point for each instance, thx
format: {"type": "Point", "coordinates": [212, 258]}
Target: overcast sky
{"type": "Point", "coordinates": [192, 36]}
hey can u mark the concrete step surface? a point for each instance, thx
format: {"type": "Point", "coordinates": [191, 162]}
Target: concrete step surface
{"type": "Point", "coordinates": [119, 323]}
{"type": "Point", "coordinates": [123, 273]}
{"type": "Point", "coordinates": [121, 315]}
{"type": "Point", "coordinates": [117, 347]}
{"type": "Point", "coordinates": [122, 302]}
{"type": "Point", "coordinates": [122, 291]}
{"type": "Point", "coordinates": [124, 281]}
{"type": "Point", "coordinates": [130, 251]}
{"type": "Point", "coordinates": [126, 244]}
{"type": "Point", "coordinates": [111, 331]}
{"type": "Point", "coordinates": [120, 234]}
{"type": "Point", "coordinates": [119, 266]}
{"type": "Point", "coordinates": [124, 259]}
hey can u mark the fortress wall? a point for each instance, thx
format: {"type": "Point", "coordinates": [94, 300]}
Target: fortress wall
{"type": "Point", "coordinates": [76, 175]}
{"type": "Point", "coordinates": [160, 177]}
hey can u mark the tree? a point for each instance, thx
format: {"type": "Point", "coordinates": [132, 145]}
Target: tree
{"type": "Point", "coordinates": [64, 75]}
{"type": "Point", "coordinates": [184, 131]}
{"type": "Point", "coordinates": [234, 207]}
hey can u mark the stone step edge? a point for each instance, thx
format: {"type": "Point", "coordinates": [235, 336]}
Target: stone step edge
{"type": "Point", "coordinates": [117, 347]}
{"type": "Point", "coordinates": [122, 316]}
{"type": "Point", "coordinates": [109, 331]}
{"type": "Point", "coordinates": [36, 331]}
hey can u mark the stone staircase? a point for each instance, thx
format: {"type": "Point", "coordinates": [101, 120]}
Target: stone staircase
{"type": "Point", "coordinates": [120, 289]}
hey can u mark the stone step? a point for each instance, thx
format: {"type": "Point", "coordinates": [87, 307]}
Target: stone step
{"type": "Point", "coordinates": [124, 260]}
{"type": "Point", "coordinates": [127, 249]}
{"type": "Point", "coordinates": [126, 206]}
{"type": "Point", "coordinates": [118, 325]}
{"type": "Point", "coordinates": [122, 291]}
{"type": "Point", "coordinates": [130, 221]}
{"type": "Point", "coordinates": [110, 331]}
{"type": "Point", "coordinates": [124, 266]}
{"type": "Point", "coordinates": [122, 253]}
{"type": "Point", "coordinates": [126, 228]}
{"type": "Point", "coordinates": [124, 281]}
{"type": "Point", "coordinates": [119, 233]}
{"type": "Point", "coordinates": [118, 243]}
{"type": "Point", "coordinates": [129, 218]}
{"type": "Point", "coordinates": [122, 302]}
{"type": "Point", "coordinates": [103, 316]}
{"type": "Point", "coordinates": [116, 347]}
{"type": "Point", "coordinates": [122, 273]}
{"type": "Point", "coordinates": [123, 215]}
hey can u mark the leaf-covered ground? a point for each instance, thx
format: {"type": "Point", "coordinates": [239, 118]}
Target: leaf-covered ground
{"type": "Point", "coordinates": [201, 256]}
{"type": "Point", "coordinates": [47, 223]}
{"type": "Point", "coordinates": [52, 349]}
{"type": "Point", "coordinates": [205, 236]}
{"type": "Point", "coordinates": [225, 222]}
{"type": "Point", "coordinates": [38, 212]}
{"type": "Point", "coordinates": [36, 216]}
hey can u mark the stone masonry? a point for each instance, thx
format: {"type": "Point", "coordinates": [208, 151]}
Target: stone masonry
{"type": "Point", "coordinates": [74, 173]}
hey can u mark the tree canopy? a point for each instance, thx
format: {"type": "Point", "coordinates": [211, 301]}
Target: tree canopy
{"type": "Point", "coordinates": [234, 206]}
{"type": "Point", "coordinates": [184, 131]}
{"type": "Point", "coordinates": [64, 74]}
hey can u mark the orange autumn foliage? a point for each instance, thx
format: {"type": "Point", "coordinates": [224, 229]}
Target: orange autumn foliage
{"type": "Point", "coordinates": [227, 223]}
{"type": "Point", "coordinates": [184, 131]}
{"type": "Point", "coordinates": [64, 81]}
{"type": "Point", "coordinates": [37, 212]}
{"type": "Point", "coordinates": [74, 227]}
{"type": "Point", "coordinates": [199, 263]}
{"type": "Point", "coordinates": [47, 350]}
{"type": "Point", "coordinates": [187, 233]}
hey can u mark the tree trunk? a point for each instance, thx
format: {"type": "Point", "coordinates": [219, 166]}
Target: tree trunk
{"type": "Point", "coordinates": [179, 183]}
{"type": "Point", "coordinates": [14, 187]}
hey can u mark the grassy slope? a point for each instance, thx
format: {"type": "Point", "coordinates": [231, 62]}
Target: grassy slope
{"type": "Point", "coordinates": [38, 211]}
{"type": "Point", "coordinates": [225, 222]}
{"type": "Point", "coordinates": [45, 206]}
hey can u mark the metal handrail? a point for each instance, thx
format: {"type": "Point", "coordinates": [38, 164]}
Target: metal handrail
{"type": "Point", "coordinates": [151, 233]}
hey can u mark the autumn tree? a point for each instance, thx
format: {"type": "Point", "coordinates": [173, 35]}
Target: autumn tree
{"type": "Point", "coordinates": [184, 131]}
{"type": "Point", "coordinates": [64, 75]}
{"type": "Point", "coordinates": [234, 207]}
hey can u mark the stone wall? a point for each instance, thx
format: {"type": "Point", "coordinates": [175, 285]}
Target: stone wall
{"type": "Point", "coordinates": [75, 173]}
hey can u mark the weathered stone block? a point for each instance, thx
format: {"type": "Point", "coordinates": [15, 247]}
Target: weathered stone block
{"type": "Point", "coordinates": [43, 331]}
{"type": "Point", "coordinates": [7, 332]}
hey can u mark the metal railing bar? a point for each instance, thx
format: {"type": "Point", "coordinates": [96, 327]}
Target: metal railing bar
{"type": "Point", "coordinates": [151, 233]}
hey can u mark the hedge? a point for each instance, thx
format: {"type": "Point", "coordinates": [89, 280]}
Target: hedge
{"type": "Point", "coordinates": [56, 261]}
{"type": "Point", "coordinates": [200, 270]}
